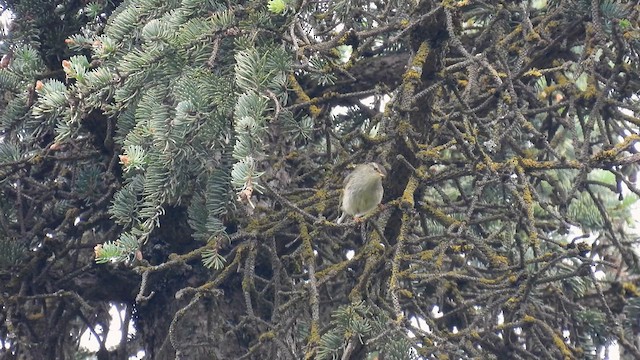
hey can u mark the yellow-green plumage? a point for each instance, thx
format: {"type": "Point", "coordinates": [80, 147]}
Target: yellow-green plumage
{"type": "Point", "coordinates": [362, 190]}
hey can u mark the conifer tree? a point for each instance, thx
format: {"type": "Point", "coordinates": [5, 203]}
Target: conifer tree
{"type": "Point", "coordinates": [183, 162]}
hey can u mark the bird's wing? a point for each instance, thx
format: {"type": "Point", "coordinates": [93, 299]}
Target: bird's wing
{"type": "Point", "coordinates": [347, 178]}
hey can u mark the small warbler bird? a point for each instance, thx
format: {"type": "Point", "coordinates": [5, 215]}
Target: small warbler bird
{"type": "Point", "coordinates": [362, 190]}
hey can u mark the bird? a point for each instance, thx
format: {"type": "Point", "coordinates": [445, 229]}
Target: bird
{"type": "Point", "coordinates": [362, 190]}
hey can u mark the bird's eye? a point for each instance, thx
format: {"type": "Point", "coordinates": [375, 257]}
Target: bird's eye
{"type": "Point", "coordinates": [379, 169]}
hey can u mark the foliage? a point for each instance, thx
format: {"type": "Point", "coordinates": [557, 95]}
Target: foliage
{"type": "Point", "coordinates": [184, 158]}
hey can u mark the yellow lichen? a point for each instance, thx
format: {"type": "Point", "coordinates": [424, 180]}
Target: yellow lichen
{"type": "Point", "coordinates": [612, 153]}
{"type": "Point", "coordinates": [533, 36]}
{"type": "Point", "coordinates": [631, 289]}
{"type": "Point", "coordinates": [297, 89]}
{"type": "Point", "coordinates": [427, 255]}
{"type": "Point", "coordinates": [411, 75]}
{"type": "Point", "coordinates": [461, 248]}
{"type": "Point", "coordinates": [499, 261]}
{"type": "Point", "coordinates": [552, 24]}
{"type": "Point", "coordinates": [266, 336]}
{"type": "Point", "coordinates": [439, 215]}
{"type": "Point", "coordinates": [561, 79]}
{"type": "Point", "coordinates": [590, 92]}
{"type": "Point", "coordinates": [512, 302]}
{"type": "Point", "coordinates": [409, 190]}
{"type": "Point", "coordinates": [414, 72]}
{"type": "Point", "coordinates": [557, 340]}
{"type": "Point", "coordinates": [533, 72]}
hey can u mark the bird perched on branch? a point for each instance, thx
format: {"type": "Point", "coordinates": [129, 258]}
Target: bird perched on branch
{"type": "Point", "coordinates": [362, 190]}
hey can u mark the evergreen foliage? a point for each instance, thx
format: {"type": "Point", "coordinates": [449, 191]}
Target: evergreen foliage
{"type": "Point", "coordinates": [185, 158]}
